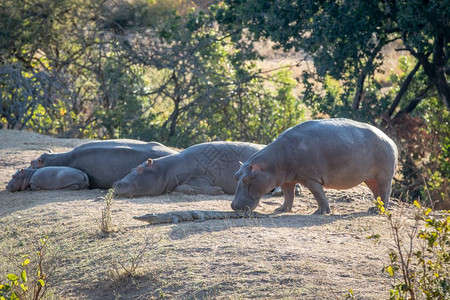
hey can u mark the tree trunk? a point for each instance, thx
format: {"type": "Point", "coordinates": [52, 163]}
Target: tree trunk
{"type": "Point", "coordinates": [174, 117]}
{"type": "Point", "coordinates": [436, 69]}
{"type": "Point", "coordinates": [359, 91]}
{"type": "Point", "coordinates": [362, 77]}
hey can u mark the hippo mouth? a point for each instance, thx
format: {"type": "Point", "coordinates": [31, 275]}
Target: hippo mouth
{"type": "Point", "coordinates": [246, 204]}
{"type": "Point", "coordinates": [123, 189]}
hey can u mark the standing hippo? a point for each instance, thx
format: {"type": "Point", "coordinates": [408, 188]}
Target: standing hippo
{"type": "Point", "coordinates": [48, 178]}
{"type": "Point", "coordinates": [105, 161]}
{"type": "Point", "coordinates": [333, 153]}
{"type": "Point", "coordinates": [206, 168]}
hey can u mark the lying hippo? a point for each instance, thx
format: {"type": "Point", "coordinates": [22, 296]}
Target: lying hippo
{"type": "Point", "coordinates": [334, 153]}
{"type": "Point", "coordinates": [206, 168]}
{"type": "Point", "coordinates": [105, 161]}
{"type": "Point", "coordinates": [48, 178]}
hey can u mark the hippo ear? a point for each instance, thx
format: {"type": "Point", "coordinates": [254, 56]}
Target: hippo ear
{"type": "Point", "coordinates": [50, 151]}
{"type": "Point", "coordinates": [254, 167]}
{"type": "Point", "coordinates": [149, 162]}
{"type": "Point", "coordinates": [22, 170]}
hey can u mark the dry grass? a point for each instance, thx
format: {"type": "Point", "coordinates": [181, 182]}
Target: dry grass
{"type": "Point", "coordinates": [292, 255]}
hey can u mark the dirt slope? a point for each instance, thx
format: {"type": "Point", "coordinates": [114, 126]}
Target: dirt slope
{"type": "Point", "coordinates": [292, 255]}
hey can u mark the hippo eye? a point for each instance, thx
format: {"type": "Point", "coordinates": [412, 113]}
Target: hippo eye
{"type": "Point", "coordinates": [245, 180]}
{"type": "Point", "coordinates": [40, 161]}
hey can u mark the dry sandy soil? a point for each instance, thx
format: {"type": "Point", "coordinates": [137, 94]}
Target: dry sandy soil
{"type": "Point", "coordinates": [291, 255]}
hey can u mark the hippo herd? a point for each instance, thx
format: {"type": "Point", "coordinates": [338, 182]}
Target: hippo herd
{"type": "Point", "coordinates": [329, 153]}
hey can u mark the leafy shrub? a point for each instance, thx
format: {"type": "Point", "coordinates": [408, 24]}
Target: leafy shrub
{"type": "Point", "coordinates": [31, 281]}
{"type": "Point", "coordinates": [419, 271]}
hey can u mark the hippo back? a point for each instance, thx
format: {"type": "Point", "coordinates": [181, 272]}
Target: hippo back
{"type": "Point", "coordinates": [56, 178]}
{"type": "Point", "coordinates": [110, 161]}
{"type": "Point", "coordinates": [218, 161]}
{"type": "Point", "coordinates": [339, 153]}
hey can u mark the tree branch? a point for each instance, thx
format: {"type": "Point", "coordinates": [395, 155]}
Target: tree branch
{"type": "Point", "coordinates": [403, 89]}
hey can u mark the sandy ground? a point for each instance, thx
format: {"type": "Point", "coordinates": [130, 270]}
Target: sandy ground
{"type": "Point", "coordinates": [291, 255]}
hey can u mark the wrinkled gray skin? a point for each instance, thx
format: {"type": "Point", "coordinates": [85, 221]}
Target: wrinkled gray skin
{"type": "Point", "coordinates": [48, 178]}
{"type": "Point", "coordinates": [105, 161]}
{"type": "Point", "coordinates": [333, 153]}
{"type": "Point", "coordinates": [206, 168]}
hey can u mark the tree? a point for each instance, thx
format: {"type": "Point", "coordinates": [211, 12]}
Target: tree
{"type": "Point", "coordinates": [200, 78]}
{"type": "Point", "coordinates": [345, 38]}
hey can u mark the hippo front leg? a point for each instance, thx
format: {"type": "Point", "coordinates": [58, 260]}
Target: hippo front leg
{"type": "Point", "coordinates": [288, 191]}
{"type": "Point", "coordinates": [318, 193]}
{"type": "Point", "coordinates": [193, 190]}
{"type": "Point", "coordinates": [34, 187]}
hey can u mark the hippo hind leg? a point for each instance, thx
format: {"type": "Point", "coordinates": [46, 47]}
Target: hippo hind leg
{"type": "Point", "coordinates": [72, 187]}
{"type": "Point", "coordinates": [380, 189]}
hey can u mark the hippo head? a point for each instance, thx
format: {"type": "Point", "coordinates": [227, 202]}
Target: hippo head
{"type": "Point", "coordinates": [18, 182]}
{"type": "Point", "coordinates": [146, 179]}
{"type": "Point", "coordinates": [40, 162]}
{"type": "Point", "coordinates": [253, 182]}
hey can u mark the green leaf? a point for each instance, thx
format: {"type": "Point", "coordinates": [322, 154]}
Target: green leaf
{"type": "Point", "coordinates": [23, 276]}
{"type": "Point", "coordinates": [417, 204]}
{"type": "Point", "coordinates": [390, 271]}
{"type": "Point", "coordinates": [25, 262]}
{"type": "Point", "coordinates": [13, 296]}
{"type": "Point", "coordinates": [41, 282]}
{"type": "Point", "coordinates": [12, 277]}
{"type": "Point", "coordinates": [24, 287]}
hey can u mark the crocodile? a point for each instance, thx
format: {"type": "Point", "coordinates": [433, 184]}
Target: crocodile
{"type": "Point", "coordinates": [196, 215]}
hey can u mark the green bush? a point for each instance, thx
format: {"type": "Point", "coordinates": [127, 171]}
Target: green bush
{"type": "Point", "coordinates": [419, 271]}
{"type": "Point", "coordinates": [30, 282]}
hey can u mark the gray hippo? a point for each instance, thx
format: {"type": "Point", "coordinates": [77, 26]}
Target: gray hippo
{"type": "Point", "coordinates": [105, 161]}
{"type": "Point", "coordinates": [48, 178]}
{"type": "Point", "coordinates": [206, 168]}
{"type": "Point", "coordinates": [333, 153]}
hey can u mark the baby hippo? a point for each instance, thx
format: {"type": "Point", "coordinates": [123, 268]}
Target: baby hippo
{"type": "Point", "coordinates": [48, 178]}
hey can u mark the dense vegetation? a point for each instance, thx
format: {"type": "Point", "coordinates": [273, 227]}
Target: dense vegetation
{"type": "Point", "coordinates": [171, 72]}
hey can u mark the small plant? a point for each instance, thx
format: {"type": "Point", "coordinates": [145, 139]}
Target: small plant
{"type": "Point", "coordinates": [31, 283]}
{"type": "Point", "coordinates": [106, 225]}
{"type": "Point", "coordinates": [350, 295]}
{"type": "Point", "coordinates": [130, 268]}
{"type": "Point", "coordinates": [419, 271]}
